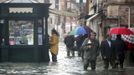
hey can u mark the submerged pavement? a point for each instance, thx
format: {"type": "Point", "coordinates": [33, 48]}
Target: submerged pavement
{"type": "Point", "coordinates": [64, 66]}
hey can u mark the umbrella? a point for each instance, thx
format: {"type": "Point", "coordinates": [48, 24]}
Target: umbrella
{"type": "Point", "coordinates": [73, 32]}
{"type": "Point", "coordinates": [78, 31]}
{"type": "Point", "coordinates": [129, 38]}
{"type": "Point", "coordinates": [121, 30]}
{"type": "Point", "coordinates": [88, 29]}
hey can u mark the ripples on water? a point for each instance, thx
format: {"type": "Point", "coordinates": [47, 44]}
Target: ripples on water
{"type": "Point", "coordinates": [64, 66]}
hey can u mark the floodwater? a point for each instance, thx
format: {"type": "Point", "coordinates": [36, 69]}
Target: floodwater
{"type": "Point", "coordinates": [64, 66]}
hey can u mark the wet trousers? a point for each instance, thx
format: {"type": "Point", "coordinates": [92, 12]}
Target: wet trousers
{"type": "Point", "coordinates": [108, 61]}
{"type": "Point", "coordinates": [70, 51]}
{"type": "Point", "coordinates": [92, 62]}
{"type": "Point", "coordinates": [120, 59]}
{"type": "Point", "coordinates": [54, 57]}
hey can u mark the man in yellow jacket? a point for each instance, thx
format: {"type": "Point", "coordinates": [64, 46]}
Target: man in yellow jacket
{"type": "Point", "coordinates": [54, 40]}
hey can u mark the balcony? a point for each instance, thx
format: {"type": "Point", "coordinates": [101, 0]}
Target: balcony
{"type": "Point", "coordinates": [129, 1]}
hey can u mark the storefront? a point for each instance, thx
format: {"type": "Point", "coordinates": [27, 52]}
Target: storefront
{"type": "Point", "coordinates": [108, 23]}
{"type": "Point", "coordinates": [24, 32]}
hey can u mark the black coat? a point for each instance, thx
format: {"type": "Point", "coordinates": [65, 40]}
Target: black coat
{"type": "Point", "coordinates": [106, 50]}
{"type": "Point", "coordinates": [79, 41]}
{"type": "Point", "coordinates": [69, 41]}
{"type": "Point", "coordinates": [120, 47]}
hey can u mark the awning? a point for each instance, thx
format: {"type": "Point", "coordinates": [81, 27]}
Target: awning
{"type": "Point", "coordinates": [93, 16]}
{"type": "Point", "coordinates": [20, 1]}
{"type": "Point", "coordinates": [85, 16]}
{"type": "Point", "coordinates": [63, 13]}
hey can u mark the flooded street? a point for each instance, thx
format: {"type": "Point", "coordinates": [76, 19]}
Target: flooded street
{"type": "Point", "coordinates": [30, 28]}
{"type": "Point", "coordinates": [64, 66]}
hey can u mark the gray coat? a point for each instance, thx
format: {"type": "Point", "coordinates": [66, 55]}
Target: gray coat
{"type": "Point", "coordinates": [93, 52]}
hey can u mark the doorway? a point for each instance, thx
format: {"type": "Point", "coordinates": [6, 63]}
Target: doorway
{"type": "Point", "coordinates": [1, 30]}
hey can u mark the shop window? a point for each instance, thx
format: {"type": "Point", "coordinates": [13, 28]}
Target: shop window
{"type": "Point", "coordinates": [21, 32]}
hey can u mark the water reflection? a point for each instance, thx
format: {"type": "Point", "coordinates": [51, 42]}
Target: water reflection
{"type": "Point", "coordinates": [64, 66]}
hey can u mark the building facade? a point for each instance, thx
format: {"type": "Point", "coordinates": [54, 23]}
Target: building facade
{"type": "Point", "coordinates": [95, 20]}
{"type": "Point", "coordinates": [110, 13]}
{"type": "Point", "coordinates": [24, 31]}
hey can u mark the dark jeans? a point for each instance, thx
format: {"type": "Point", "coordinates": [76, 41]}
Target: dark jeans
{"type": "Point", "coordinates": [108, 61]}
{"type": "Point", "coordinates": [92, 62]}
{"type": "Point", "coordinates": [54, 57]}
{"type": "Point", "coordinates": [79, 52]}
{"type": "Point", "coordinates": [70, 51]}
{"type": "Point", "coordinates": [121, 58]}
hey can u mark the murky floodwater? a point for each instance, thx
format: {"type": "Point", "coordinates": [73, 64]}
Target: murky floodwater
{"type": "Point", "coordinates": [64, 66]}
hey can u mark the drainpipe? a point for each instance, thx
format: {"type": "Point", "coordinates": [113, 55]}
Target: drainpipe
{"type": "Point", "coordinates": [129, 18]}
{"type": "Point", "coordinates": [97, 7]}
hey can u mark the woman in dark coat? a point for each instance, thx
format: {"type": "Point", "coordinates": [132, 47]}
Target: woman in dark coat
{"type": "Point", "coordinates": [79, 41]}
{"type": "Point", "coordinates": [69, 41]}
